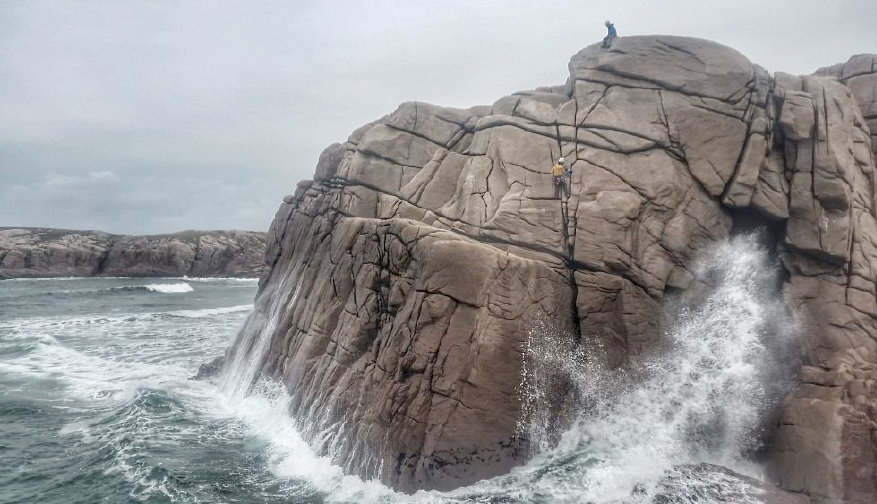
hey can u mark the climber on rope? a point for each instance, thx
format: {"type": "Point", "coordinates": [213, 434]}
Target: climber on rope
{"type": "Point", "coordinates": [560, 172]}
{"type": "Point", "coordinates": [607, 40]}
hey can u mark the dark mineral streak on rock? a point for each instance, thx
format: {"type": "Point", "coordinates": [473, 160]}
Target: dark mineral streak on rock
{"type": "Point", "coordinates": [40, 252]}
{"type": "Point", "coordinates": [430, 239]}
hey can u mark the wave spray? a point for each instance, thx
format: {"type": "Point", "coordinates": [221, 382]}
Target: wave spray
{"type": "Point", "coordinates": [698, 398]}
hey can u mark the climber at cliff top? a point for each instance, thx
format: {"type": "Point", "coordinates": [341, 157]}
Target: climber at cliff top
{"type": "Point", "coordinates": [559, 172]}
{"type": "Point", "coordinates": [607, 40]}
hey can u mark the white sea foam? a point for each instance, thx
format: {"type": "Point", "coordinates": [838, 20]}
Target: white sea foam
{"type": "Point", "coordinates": [55, 279]}
{"type": "Point", "coordinates": [174, 288]}
{"type": "Point", "coordinates": [698, 401]}
{"type": "Point", "coordinates": [186, 278]}
{"type": "Point", "coordinates": [79, 428]}
{"type": "Point", "coordinates": [254, 340]}
{"type": "Point", "coordinates": [84, 376]}
{"type": "Point", "coordinates": [211, 312]}
{"type": "Point", "coordinates": [264, 408]}
{"type": "Point", "coordinates": [39, 327]}
{"type": "Point", "coordinates": [217, 279]}
{"type": "Point", "coordinates": [264, 413]}
{"type": "Point", "coordinates": [97, 357]}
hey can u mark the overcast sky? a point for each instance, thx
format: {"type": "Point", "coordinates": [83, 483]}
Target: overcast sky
{"type": "Point", "coordinates": [162, 115]}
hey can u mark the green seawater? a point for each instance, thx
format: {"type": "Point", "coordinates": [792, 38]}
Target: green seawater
{"type": "Point", "coordinates": [96, 404]}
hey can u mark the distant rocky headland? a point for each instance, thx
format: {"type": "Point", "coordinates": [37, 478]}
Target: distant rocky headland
{"type": "Point", "coordinates": [42, 252]}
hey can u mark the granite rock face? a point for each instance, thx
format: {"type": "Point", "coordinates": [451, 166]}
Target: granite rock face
{"type": "Point", "coordinates": [860, 75]}
{"type": "Point", "coordinates": [39, 252]}
{"type": "Point", "coordinates": [405, 276]}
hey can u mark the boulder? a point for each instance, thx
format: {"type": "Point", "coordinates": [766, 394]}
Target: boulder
{"type": "Point", "coordinates": [406, 276]}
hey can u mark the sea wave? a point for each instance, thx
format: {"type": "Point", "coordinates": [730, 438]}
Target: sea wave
{"type": "Point", "coordinates": [186, 278]}
{"type": "Point", "coordinates": [84, 375]}
{"type": "Point", "coordinates": [66, 278]}
{"type": "Point", "coordinates": [209, 312]}
{"type": "Point", "coordinates": [219, 279]}
{"type": "Point", "coordinates": [163, 288]}
{"type": "Point", "coordinates": [174, 288]}
{"type": "Point", "coordinates": [56, 323]}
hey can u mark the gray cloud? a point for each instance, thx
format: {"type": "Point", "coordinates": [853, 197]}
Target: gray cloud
{"type": "Point", "coordinates": [155, 116]}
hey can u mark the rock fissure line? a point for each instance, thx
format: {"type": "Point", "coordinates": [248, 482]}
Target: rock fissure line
{"type": "Point", "coordinates": [564, 255]}
{"type": "Point", "coordinates": [102, 260]}
{"type": "Point", "coordinates": [662, 85]}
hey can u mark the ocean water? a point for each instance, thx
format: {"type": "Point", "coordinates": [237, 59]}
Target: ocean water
{"type": "Point", "coordinates": [96, 404]}
{"type": "Point", "coordinates": [95, 400]}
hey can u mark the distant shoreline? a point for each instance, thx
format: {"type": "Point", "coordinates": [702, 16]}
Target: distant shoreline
{"type": "Point", "coordinates": [31, 252]}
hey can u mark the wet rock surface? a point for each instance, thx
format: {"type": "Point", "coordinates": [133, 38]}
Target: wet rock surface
{"type": "Point", "coordinates": [712, 484]}
{"type": "Point", "coordinates": [40, 252]}
{"type": "Point", "coordinates": [411, 267]}
{"type": "Point", "coordinates": [209, 369]}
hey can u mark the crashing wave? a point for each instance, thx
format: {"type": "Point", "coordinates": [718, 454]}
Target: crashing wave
{"type": "Point", "coordinates": [174, 288]}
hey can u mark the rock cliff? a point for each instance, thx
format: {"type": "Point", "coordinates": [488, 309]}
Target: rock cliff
{"type": "Point", "coordinates": [38, 252]}
{"type": "Point", "coordinates": [859, 74]}
{"type": "Point", "coordinates": [404, 277]}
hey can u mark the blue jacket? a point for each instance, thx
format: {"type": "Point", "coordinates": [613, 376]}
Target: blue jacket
{"type": "Point", "coordinates": [612, 32]}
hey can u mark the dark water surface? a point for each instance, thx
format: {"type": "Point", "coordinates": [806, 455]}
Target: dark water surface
{"type": "Point", "coordinates": [95, 401]}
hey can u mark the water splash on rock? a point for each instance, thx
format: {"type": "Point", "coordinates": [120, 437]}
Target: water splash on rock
{"type": "Point", "coordinates": [698, 398]}
{"type": "Point", "coordinates": [246, 358]}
